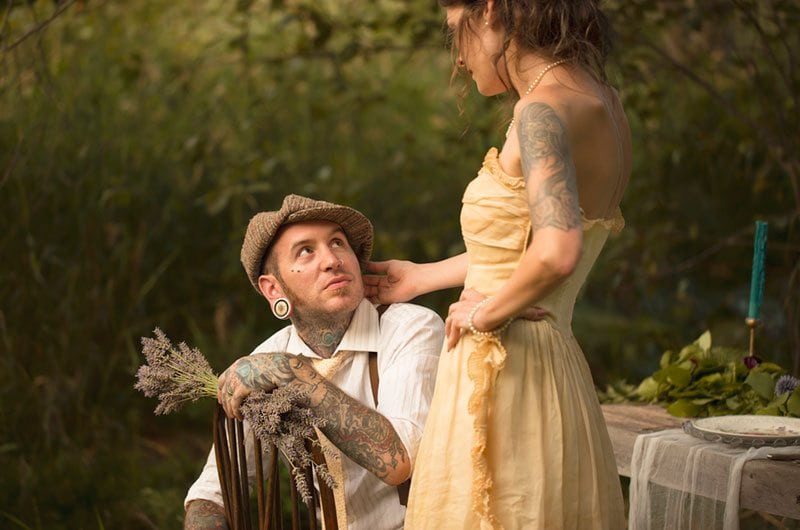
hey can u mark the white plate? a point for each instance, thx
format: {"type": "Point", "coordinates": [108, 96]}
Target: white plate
{"type": "Point", "coordinates": [747, 430]}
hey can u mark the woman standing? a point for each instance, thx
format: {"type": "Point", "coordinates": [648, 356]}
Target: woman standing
{"type": "Point", "coordinates": [516, 437]}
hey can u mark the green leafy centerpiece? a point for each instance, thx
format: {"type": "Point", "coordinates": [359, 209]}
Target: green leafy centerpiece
{"type": "Point", "coordinates": [704, 380]}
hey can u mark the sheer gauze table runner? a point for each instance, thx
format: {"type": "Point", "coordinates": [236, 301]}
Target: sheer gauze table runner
{"type": "Point", "coordinates": [679, 481]}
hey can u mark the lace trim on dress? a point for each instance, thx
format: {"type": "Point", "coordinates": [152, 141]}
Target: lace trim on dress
{"type": "Point", "coordinates": [491, 163]}
{"type": "Point", "coordinates": [483, 366]}
{"type": "Point", "coordinates": [614, 224]}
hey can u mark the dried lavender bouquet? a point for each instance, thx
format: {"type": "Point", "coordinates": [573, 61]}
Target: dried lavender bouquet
{"type": "Point", "coordinates": [178, 375]}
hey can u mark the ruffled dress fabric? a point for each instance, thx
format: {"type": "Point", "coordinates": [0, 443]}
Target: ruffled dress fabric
{"type": "Point", "coordinates": [515, 438]}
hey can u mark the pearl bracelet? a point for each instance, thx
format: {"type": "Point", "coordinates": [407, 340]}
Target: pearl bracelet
{"type": "Point", "coordinates": [471, 325]}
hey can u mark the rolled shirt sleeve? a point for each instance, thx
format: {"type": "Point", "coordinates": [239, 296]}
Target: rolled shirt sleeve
{"type": "Point", "coordinates": [206, 487]}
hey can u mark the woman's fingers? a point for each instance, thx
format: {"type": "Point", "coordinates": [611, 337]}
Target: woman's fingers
{"type": "Point", "coordinates": [455, 324]}
{"type": "Point", "coordinates": [452, 337]}
{"type": "Point", "coordinates": [534, 313]}
{"type": "Point", "coordinates": [370, 288]}
{"type": "Point", "coordinates": [471, 295]}
{"type": "Point", "coordinates": [378, 267]}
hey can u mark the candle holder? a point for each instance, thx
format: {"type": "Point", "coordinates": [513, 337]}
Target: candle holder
{"type": "Point", "coordinates": [752, 323]}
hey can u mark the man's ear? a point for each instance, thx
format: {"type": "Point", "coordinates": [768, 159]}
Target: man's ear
{"type": "Point", "coordinates": [270, 287]}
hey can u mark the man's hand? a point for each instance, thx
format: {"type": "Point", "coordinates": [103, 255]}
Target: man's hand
{"type": "Point", "coordinates": [260, 371]}
{"type": "Point", "coordinates": [204, 515]}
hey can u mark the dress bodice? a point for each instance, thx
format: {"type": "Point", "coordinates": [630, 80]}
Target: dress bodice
{"type": "Point", "coordinates": [496, 227]}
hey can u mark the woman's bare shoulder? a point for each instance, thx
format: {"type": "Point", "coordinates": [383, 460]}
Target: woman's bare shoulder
{"type": "Point", "coordinates": [569, 105]}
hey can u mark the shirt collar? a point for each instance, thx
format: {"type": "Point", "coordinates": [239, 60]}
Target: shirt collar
{"type": "Point", "coordinates": [362, 334]}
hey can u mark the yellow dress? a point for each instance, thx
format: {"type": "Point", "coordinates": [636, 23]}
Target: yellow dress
{"type": "Point", "coordinates": [515, 438]}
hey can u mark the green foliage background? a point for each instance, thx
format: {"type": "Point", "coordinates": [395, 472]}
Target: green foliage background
{"type": "Point", "coordinates": [137, 138]}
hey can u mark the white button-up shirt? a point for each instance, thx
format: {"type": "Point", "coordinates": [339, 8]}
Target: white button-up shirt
{"type": "Point", "coordinates": [408, 339]}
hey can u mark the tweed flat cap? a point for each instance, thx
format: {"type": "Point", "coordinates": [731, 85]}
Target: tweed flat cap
{"type": "Point", "coordinates": [295, 209]}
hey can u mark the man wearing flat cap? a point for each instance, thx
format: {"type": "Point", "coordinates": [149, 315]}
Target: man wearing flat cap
{"type": "Point", "coordinates": [306, 260]}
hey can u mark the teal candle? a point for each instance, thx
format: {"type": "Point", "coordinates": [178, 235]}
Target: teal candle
{"type": "Point", "coordinates": [757, 277]}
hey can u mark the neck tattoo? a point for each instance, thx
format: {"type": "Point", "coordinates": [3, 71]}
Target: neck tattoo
{"type": "Point", "coordinates": [533, 85]}
{"type": "Point", "coordinates": [322, 335]}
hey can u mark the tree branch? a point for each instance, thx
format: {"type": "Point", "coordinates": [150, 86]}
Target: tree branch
{"type": "Point", "coordinates": [748, 14]}
{"type": "Point", "coordinates": [777, 145]}
{"type": "Point", "coordinates": [40, 26]}
{"type": "Point", "coordinates": [705, 254]}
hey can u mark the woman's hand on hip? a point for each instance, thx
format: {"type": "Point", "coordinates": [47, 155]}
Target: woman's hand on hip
{"type": "Point", "coordinates": [457, 322]}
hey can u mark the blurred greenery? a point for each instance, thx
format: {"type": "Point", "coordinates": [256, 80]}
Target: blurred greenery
{"type": "Point", "coordinates": [137, 138]}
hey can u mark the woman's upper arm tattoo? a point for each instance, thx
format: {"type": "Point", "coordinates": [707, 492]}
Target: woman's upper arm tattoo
{"type": "Point", "coordinates": [544, 150]}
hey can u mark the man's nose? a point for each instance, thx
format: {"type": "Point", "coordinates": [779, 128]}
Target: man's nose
{"type": "Point", "coordinates": [331, 261]}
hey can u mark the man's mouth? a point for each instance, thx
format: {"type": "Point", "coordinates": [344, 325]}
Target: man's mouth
{"type": "Point", "coordinates": [338, 282]}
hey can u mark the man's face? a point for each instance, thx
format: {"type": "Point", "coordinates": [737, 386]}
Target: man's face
{"type": "Point", "coordinates": [319, 271]}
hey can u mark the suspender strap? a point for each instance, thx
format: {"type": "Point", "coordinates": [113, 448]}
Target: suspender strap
{"type": "Point", "coordinates": [373, 375]}
{"type": "Point", "coordinates": [374, 379]}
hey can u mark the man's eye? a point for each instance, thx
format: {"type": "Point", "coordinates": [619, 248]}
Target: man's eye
{"type": "Point", "coordinates": [336, 243]}
{"type": "Point", "coordinates": [305, 251]}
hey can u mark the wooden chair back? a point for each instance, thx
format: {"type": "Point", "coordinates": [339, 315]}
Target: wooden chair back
{"type": "Point", "coordinates": [232, 466]}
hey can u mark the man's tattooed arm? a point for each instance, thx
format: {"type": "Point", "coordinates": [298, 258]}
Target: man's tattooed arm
{"type": "Point", "coordinates": [548, 169]}
{"type": "Point", "coordinates": [364, 435]}
{"type": "Point", "coordinates": [360, 432]}
{"type": "Point", "coordinates": [204, 515]}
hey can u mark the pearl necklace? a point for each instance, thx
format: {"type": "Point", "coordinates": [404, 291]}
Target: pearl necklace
{"type": "Point", "coordinates": [533, 85]}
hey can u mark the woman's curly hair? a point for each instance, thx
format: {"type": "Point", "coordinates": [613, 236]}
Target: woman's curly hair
{"type": "Point", "coordinates": [573, 30]}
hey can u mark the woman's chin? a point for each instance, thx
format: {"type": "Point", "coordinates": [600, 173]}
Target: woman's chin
{"type": "Point", "coordinates": [489, 91]}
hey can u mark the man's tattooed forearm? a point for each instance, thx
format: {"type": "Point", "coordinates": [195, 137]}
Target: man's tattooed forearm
{"type": "Point", "coordinates": [306, 376]}
{"type": "Point", "coordinates": [361, 433]}
{"type": "Point", "coordinates": [204, 515]}
{"type": "Point", "coordinates": [544, 149]}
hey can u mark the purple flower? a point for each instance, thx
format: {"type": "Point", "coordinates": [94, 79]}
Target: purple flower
{"type": "Point", "coordinates": [751, 361]}
{"type": "Point", "coordinates": [280, 418]}
{"type": "Point", "coordinates": [173, 375]}
{"type": "Point", "coordinates": [785, 384]}
{"type": "Point", "coordinates": [176, 375]}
